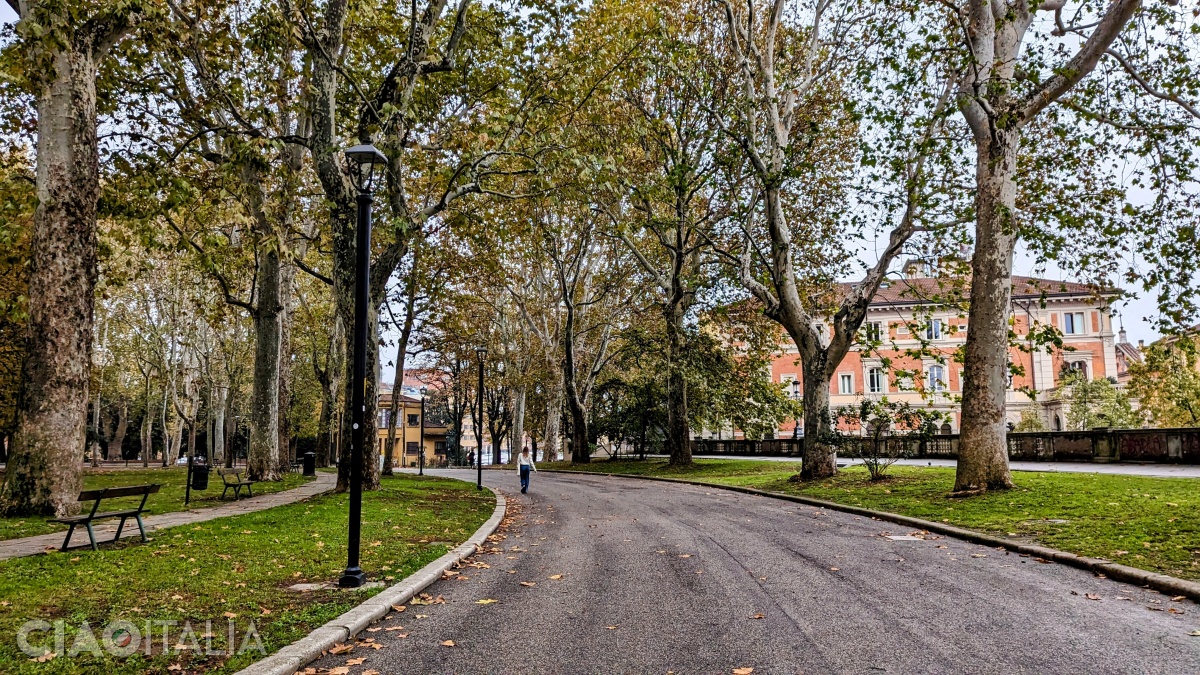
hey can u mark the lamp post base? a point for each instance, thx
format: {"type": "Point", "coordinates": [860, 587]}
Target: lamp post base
{"type": "Point", "coordinates": [353, 577]}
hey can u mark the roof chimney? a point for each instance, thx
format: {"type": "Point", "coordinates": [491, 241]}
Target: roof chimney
{"type": "Point", "coordinates": [1121, 336]}
{"type": "Point", "coordinates": [1141, 344]}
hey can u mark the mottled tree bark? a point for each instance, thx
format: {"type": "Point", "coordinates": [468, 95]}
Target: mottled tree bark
{"type": "Point", "coordinates": [263, 460]}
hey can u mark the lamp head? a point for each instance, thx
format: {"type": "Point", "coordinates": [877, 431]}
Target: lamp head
{"type": "Point", "coordinates": [361, 161]}
{"type": "Point", "coordinates": [481, 351]}
{"type": "Point", "coordinates": [424, 391]}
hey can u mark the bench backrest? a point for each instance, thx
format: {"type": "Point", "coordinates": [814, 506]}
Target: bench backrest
{"type": "Point", "coordinates": [226, 473]}
{"type": "Point", "coordinates": [113, 492]}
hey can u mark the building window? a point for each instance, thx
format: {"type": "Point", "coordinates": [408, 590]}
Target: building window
{"type": "Point", "coordinates": [439, 447]}
{"type": "Point", "coordinates": [875, 380]}
{"type": "Point", "coordinates": [874, 331]}
{"type": "Point", "coordinates": [936, 379]}
{"type": "Point", "coordinates": [384, 416]}
{"type": "Point", "coordinates": [1073, 323]}
{"type": "Point", "coordinates": [934, 330]}
{"type": "Point", "coordinates": [846, 383]}
{"type": "Point", "coordinates": [414, 420]}
{"type": "Point", "coordinates": [411, 449]}
{"type": "Point", "coordinates": [1080, 368]}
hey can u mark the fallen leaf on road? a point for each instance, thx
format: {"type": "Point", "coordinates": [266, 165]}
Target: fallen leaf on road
{"type": "Point", "coordinates": [1172, 610]}
{"type": "Point", "coordinates": [1179, 598]}
{"type": "Point", "coordinates": [978, 555]}
{"type": "Point", "coordinates": [1195, 633]}
{"type": "Point", "coordinates": [742, 671]}
{"type": "Point", "coordinates": [374, 629]}
{"type": "Point", "coordinates": [758, 616]}
{"type": "Point", "coordinates": [611, 627]}
{"type": "Point", "coordinates": [356, 662]}
{"type": "Point", "coordinates": [835, 569]}
{"type": "Point", "coordinates": [448, 643]}
{"type": "Point", "coordinates": [376, 646]}
{"type": "Point", "coordinates": [422, 616]}
{"type": "Point", "coordinates": [556, 577]}
{"type": "Point", "coordinates": [341, 649]}
{"type": "Point", "coordinates": [1121, 597]}
{"type": "Point", "coordinates": [399, 608]}
{"type": "Point", "coordinates": [529, 584]}
{"type": "Point", "coordinates": [392, 628]}
{"type": "Point", "coordinates": [685, 555]}
{"type": "Point", "coordinates": [485, 601]}
{"type": "Point", "coordinates": [1042, 560]}
{"type": "Point", "coordinates": [1092, 596]}
{"type": "Point", "coordinates": [371, 671]}
{"type": "Point", "coordinates": [340, 670]}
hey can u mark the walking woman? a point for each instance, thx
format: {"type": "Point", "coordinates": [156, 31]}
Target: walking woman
{"type": "Point", "coordinates": [526, 467]}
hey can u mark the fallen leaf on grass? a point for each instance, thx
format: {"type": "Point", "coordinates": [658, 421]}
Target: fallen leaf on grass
{"type": "Point", "coordinates": [529, 584]}
{"type": "Point", "coordinates": [448, 643]}
{"type": "Point", "coordinates": [229, 615]}
{"type": "Point", "coordinates": [44, 657]}
{"type": "Point", "coordinates": [485, 601]}
{"type": "Point", "coordinates": [175, 666]}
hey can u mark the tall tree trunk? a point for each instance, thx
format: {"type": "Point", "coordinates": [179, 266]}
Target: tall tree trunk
{"type": "Point", "coordinates": [287, 278]}
{"type": "Point", "coordinates": [410, 302]}
{"type": "Point", "coordinates": [552, 436]}
{"type": "Point", "coordinates": [217, 442]}
{"type": "Point", "coordinates": [230, 432]}
{"type": "Point", "coordinates": [45, 467]}
{"type": "Point", "coordinates": [580, 454]}
{"type": "Point", "coordinates": [263, 460]}
{"type": "Point", "coordinates": [679, 445]}
{"type": "Point", "coordinates": [164, 431]}
{"type": "Point", "coordinates": [116, 449]}
{"type": "Point", "coordinates": [983, 444]}
{"type": "Point", "coordinates": [518, 421]}
{"type": "Point", "coordinates": [147, 438]}
{"type": "Point", "coordinates": [820, 449]}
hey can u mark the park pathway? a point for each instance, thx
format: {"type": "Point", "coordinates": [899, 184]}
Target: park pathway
{"type": "Point", "coordinates": [601, 574]}
{"type": "Point", "coordinates": [17, 548]}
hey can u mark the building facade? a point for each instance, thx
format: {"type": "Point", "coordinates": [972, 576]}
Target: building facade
{"type": "Point", "coordinates": [912, 340]}
{"type": "Point", "coordinates": [411, 439]}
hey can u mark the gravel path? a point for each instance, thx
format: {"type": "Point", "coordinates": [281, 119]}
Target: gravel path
{"type": "Point", "coordinates": [659, 578]}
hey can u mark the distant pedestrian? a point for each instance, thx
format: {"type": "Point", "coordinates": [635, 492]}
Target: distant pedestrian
{"type": "Point", "coordinates": [471, 458]}
{"type": "Point", "coordinates": [525, 466]}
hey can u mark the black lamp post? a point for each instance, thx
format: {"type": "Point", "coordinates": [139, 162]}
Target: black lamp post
{"type": "Point", "coordinates": [796, 397]}
{"type": "Point", "coordinates": [361, 161]}
{"type": "Point", "coordinates": [481, 352]}
{"type": "Point", "coordinates": [421, 455]}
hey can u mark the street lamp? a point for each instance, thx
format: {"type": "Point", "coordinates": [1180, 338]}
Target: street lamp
{"type": "Point", "coordinates": [361, 161]}
{"type": "Point", "coordinates": [796, 397]}
{"type": "Point", "coordinates": [421, 455]}
{"type": "Point", "coordinates": [481, 352]}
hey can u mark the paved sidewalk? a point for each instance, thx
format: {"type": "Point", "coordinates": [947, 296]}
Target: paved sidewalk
{"type": "Point", "coordinates": [17, 548]}
{"type": "Point", "coordinates": [1159, 470]}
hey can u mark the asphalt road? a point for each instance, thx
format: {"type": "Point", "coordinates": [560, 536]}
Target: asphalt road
{"type": "Point", "coordinates": [658, 578]}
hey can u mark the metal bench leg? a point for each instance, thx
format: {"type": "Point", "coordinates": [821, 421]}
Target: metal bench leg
{"type": "Point", "coordinates": [91, 535]}
{"type": "Point", "coordinates": [120, 526]}
{"type": "Point", "coordinates": [67, 542]}
{"type": "Point", "coordinates": [141, 527]}
{"type": "Point", "coordinates": [249, 492]}
{"type": "Point", "coordinates": [224, 491]}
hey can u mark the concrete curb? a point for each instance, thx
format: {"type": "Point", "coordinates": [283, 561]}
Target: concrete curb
{"type": "Point", "coordinates": [295, 656]}
{"type": "Point", "coordinates": [1112, 570]}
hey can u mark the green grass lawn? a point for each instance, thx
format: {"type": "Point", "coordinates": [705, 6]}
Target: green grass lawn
{"type": "Point", "coordinates": [169, 498]}
{"type": "Point", "coordinates": [233, 566]}
{"type": "Point", "coordinates": [1150, 523]}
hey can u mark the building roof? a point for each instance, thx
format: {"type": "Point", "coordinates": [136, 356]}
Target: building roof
{"type": "Point", "coordinates": [918, 290]}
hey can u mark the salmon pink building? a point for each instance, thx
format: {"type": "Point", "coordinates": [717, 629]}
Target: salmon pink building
{"type": "Point", "coordinates": [912, 340]}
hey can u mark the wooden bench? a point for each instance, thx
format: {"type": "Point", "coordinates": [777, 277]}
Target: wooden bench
{"type": "Point", "coordinates": [98, 496]}
{"type": "Point", "coordinates": [236, 484]}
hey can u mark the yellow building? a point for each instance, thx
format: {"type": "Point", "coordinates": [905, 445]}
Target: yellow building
{"type": "Point", "coordinates": [408, 433]}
